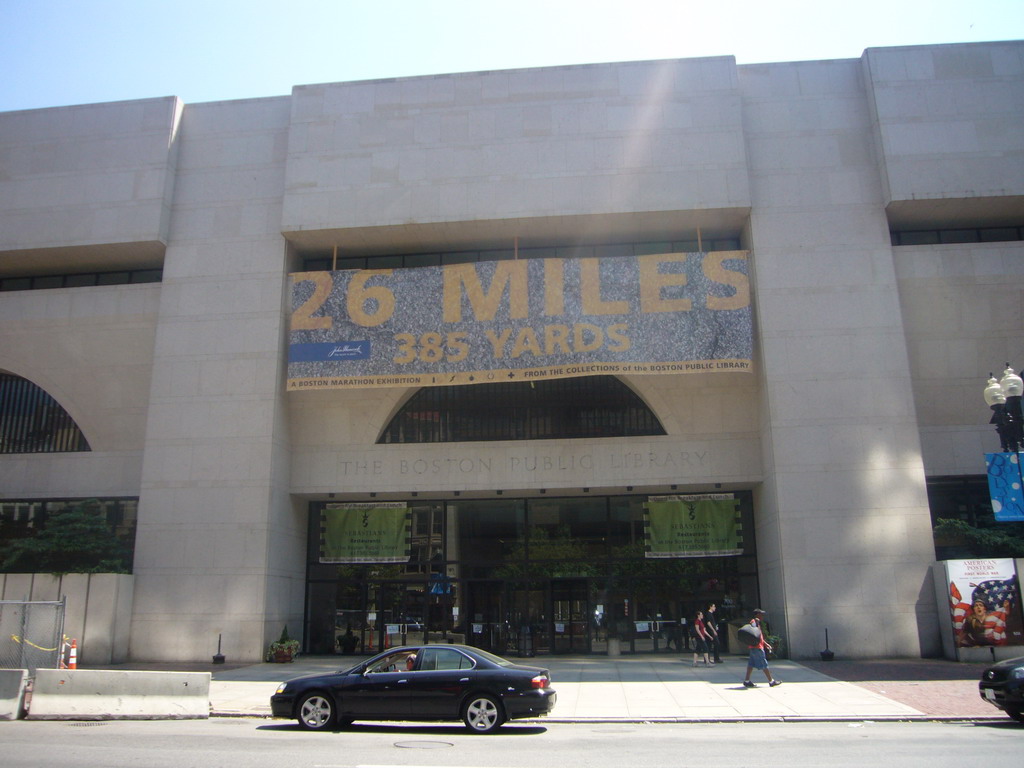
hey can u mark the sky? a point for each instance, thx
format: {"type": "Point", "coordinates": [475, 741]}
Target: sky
{"type": "Point", "coordinates": [61, 52]}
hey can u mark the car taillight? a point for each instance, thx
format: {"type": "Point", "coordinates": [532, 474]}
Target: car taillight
{"type": "Point", "coordinates": [540, 681]}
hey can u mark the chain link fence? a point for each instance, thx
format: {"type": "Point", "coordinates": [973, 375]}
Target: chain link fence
{"type": "Point", "coordinates": [31, 634]}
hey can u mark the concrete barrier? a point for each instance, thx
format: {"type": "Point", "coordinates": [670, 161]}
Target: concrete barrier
{"type": "Point", "coordinates": [94, 694]}
{"type": "Point", "coordinates": [12, 692]}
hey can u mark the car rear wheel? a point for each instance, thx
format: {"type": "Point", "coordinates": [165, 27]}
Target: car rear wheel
{"type": "Point", "coordinates": [482, 714]}
{"type": "Point", "coordinates": [316, 712]}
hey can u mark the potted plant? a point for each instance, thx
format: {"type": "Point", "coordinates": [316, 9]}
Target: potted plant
{"type": "Point", "coordinates": [284, 648]}
{"type": "Point", "coordinates": [778, 646]}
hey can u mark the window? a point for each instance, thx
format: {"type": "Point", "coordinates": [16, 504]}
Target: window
{"type": "Point", "coordinates": [395, 662]}
{"type": "Point", "coordinates": [489, 530]}
{"type": "Point", "coordinates": [33, 422]}
{"type": "Point", "coordinates": [568, 529]}
{"type": "Point", "coordinates": [730, 241]}
{"type": "Point", "coordinates": [583, 407]}
{"type": "Point", "coordinates": [958, 235]}
{"type": "Point", "coordinates": [443, 658]}
{"type": "Point", "coordinates": [79, 280]}
{"type": "Point", "coordinates": [968, 500]}
{"type": "Point", "coordinates": [24, 518]}
{"type": "Point", "coordinates": [427, 544]}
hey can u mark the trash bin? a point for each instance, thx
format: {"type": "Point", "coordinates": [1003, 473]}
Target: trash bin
{"type": "Point", "coordinates": [525, 641]}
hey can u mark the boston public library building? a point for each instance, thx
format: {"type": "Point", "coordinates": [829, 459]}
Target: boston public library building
{"type": "Point", "coordinates": [540, 360]}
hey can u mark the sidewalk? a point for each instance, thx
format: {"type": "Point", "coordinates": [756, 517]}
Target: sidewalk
{"type": "Point", "coordinates": [667, 688]}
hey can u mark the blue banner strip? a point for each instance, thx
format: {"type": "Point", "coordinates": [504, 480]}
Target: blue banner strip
{"type": "Point", "coordinates": [1004, 486]}
{"type": "Point", "coordinates": [336, 351]}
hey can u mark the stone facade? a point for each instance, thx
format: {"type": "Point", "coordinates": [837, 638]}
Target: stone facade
{"type": "Point", "coordinates": [869, 364]}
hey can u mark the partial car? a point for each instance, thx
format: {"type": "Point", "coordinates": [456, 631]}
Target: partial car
{"type": "Point", "coordinates": [426, 682]}
{"type": "Point", "coordinates": [1002, 685]}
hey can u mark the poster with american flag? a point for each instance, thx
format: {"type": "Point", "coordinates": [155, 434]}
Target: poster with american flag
{"type": "Point", "coordinates": [985, 602]}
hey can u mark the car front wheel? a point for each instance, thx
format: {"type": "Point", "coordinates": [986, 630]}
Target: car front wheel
{"type": "Point", "coordinates": [316, 712]}
{"type": "Point", "coordinates": [482, 714]}
{"type": "Point", "coordinates": [1016, 714]}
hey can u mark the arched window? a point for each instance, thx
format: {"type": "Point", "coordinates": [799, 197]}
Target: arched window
{"type": "Point", "coordinates": [588, 406]}
{"type": "Point", "coordinates": [33, 422]}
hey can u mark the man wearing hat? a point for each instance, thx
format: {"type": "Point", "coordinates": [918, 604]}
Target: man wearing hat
{"type": "Point", "coordinates": [757, 658]}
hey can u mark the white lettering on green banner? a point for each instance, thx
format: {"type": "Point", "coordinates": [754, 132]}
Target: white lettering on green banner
{"type": "Point", "coordinates": [365, 533]}
{"type": "Point", "coordinates": [701, 525]}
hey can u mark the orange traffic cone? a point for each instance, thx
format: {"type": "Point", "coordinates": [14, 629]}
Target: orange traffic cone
{"type": "Point", "coordinates": [73, 656]}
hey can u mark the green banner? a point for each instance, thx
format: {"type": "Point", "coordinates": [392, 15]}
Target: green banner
{"type": "Point", "coordinates": [704, 525]}
{"type": "Point", "coordinates": [365, 533]}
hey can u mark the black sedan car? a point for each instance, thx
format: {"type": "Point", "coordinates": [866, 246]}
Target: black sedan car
{"type": "Point", "coordinates": [428, 682]}
{"type": "Point", "coordinates": [1002, 685]}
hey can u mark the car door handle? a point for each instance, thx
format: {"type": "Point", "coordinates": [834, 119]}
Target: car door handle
{"type": "Point", "coordinates": [400, 682]}
{"type": "Point", "coordinates": [464, 680]}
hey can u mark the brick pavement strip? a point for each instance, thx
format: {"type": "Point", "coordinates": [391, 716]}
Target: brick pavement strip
{"type": "Point", "coordinates": [935, 687]}
{"type": "Point", "coordinates": [938, 698]}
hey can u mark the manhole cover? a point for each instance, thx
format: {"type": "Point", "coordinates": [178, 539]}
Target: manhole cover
{"type": "Point", "coordinates": [423, 744]}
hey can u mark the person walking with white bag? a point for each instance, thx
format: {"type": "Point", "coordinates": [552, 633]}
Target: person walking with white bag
{"type": "Point", "coordinates": [757, 658]}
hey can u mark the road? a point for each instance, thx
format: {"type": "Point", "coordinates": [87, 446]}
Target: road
{"type": "Point", "coordinates": [233, 742]}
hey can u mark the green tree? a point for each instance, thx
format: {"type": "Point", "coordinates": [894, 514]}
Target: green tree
{"type": "Point", "coordinates": [552, 553]}
{"type": "Point", "coordinates": [1005, 540]}
{"type": "Point", "coordinates": [76, 540]}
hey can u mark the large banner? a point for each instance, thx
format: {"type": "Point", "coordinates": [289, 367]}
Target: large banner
{"type": "Point", "coordinates": [365, 533]}
{"type": "Point", "coordinates": [702, 525]}
{"type": "Point", "coordinates": [984, 602]}
{"type": "Point", "coordinates": [520, 320]}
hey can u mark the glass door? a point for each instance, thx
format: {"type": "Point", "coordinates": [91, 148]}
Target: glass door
{"type": "Point", "coordinates": [486, 624]}
{"type": "Point", "coordinates": [570, 608]}
{"type": "Point", "coordinates": [654, 626]}
{"type": "Point", "coordinates": [374, 612]}
{"type": "Point", "coordinates": [352, 634]}
{"type": "Point", "coordinates": [529, 614]}
{"type": "Point", "coordinates": [396, 613]}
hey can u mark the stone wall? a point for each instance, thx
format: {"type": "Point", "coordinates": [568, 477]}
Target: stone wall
{"type": "Point", "coordinates": [98, 609]}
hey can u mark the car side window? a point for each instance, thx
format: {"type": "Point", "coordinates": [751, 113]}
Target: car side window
{"type": "Point", "coordinates": [393, 663]}
{"type": "Point", "coordinates": [444, 659]}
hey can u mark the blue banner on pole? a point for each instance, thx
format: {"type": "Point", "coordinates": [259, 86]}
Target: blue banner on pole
{"type": "Point", "coordinates": [1004, 486]}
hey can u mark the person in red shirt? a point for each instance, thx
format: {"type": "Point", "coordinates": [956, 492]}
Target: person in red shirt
{"type": "Point", "coordinates": [757, 658]}
{"type": "Point", "coordinates": [701, 638]}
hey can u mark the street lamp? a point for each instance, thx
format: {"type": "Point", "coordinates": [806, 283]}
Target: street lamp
{"type": "Point", "coordinates": [1005, 473]}
{"type": "Point", "coordinates": [1004, 399]}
